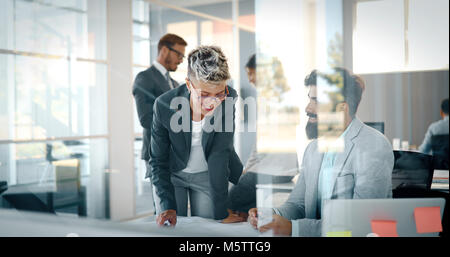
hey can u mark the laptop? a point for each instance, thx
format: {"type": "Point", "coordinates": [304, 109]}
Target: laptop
{"type": "Point", "coordinates": [354, 216]}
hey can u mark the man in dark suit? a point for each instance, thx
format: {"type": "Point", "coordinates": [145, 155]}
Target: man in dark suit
{"type": "Point", "coordinates": [153, 82]}
{"type": "Point", "coordinates": [195, 159]}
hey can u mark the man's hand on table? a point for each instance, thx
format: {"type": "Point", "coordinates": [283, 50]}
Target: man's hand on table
{"type": "Point", "coordinates": [280, 225]}
{"type": "Point", "coordinates": [169, 216]}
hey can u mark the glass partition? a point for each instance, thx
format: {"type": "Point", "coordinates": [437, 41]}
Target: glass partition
{"type": "Point", "coordinates": [53, 107]}
{"type": "Point", "coordinates": [341, 112]}
{"type": "Point", "coordinates": [66, 177]}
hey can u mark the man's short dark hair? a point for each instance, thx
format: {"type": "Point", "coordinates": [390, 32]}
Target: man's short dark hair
{"type": "Point", "coordinates": [353, 87]}
{"type": "Point", "coordinates": [251, 63]}
{"type": "Point", "coordinates": [170, 40]}
{"type": "Point", "coordinates": [444, 106]}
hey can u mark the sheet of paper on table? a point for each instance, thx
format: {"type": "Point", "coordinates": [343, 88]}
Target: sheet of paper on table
{"type": "Point", "coordinates": [201, 227]}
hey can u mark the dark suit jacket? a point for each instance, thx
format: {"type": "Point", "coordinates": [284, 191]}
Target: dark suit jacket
{"type": "Point", "coordinates": [148, 85]}
{"type": "Point", "coordinates": [170, 153]}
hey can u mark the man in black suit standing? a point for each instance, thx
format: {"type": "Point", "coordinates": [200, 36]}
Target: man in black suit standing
{"type": "Point", "coordinates": [153, 82]}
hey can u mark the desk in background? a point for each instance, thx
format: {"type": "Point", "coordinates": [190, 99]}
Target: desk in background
{"type": "Point", "coordinates": [440, 181]}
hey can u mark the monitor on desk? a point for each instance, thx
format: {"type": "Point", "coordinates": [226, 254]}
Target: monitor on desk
{"type": "Point", "coordinates": [355, 216]}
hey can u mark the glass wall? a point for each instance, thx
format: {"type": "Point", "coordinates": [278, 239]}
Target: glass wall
{"type": "Point", "coordinates": [341, 107]}
{"type": "Point", "coordinates": [53, 91]}
{"type": "Point", "coordinates": [380, 64]}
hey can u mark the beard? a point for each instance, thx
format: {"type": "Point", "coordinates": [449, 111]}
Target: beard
{"type": "Point", "coordinates": [312, 130]}
{"type": "Point", "coordinates": [169, 62]}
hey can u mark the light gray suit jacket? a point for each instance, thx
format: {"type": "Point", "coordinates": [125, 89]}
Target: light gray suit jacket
{"type": "Point", "coordinates": [365, 171]}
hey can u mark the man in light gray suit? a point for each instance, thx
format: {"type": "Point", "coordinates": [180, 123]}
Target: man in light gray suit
{"type": "Point", "coordinates": [362, 169]}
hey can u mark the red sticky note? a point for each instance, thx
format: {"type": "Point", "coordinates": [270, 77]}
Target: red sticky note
{"type": "Point", "coordinates": [428, 219]}
{"type": "Point", "coordinates": [385, 228]}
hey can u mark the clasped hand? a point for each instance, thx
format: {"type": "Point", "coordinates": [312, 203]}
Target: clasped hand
{"type": "Point", "coordinates": [280, 225]}
{"type": "Point", "coordinates": [169, 216]}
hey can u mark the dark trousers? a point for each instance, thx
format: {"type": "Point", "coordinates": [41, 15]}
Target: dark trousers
{"type": "Point", "coordinates": [242, 196]}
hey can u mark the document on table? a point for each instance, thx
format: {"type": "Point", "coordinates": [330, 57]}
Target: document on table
{"type": "Point", "coordinates": [201, 227]}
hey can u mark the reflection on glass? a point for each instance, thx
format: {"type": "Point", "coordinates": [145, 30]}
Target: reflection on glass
{"type": "Point", "coordinates": [220, 34]}
{"type": "Point", "coordinates": [53, 97]}
{"type": "Point", "coordinates": [280, 70]}
{"type": "Point", "coordinates": [141, 11]}
{"type": "Point", "coordinates": [196, 30]}
{"type": "Point", "coordinates": [141, 32]}
{"type": "Point", "coordinates": [141, 56]}
{"type": "Point", "coordinates": [247, 14]}
{"type": "Point", "coordinates": [144, 196]}
{"type": "Point", "coordinates": [64, 176]}
{"type": "Point", "coordinates": [137, 125]}
{"type": "Point", "coordinates": [141, 44]}
{"type": "Point", "coordinates": [64, 28]}
{"type": "Point", "coordinates": [331, 122]}
{"type": "Point", "coordinates": [217, 8]}
{"type": "Point", "coordinates": [188, 31]}
{"type": "Point", "coordinates": [264, 203]}
{"type": "Point", "coordinates": [277, 118]}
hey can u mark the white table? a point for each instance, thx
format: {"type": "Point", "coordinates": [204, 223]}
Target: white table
{"type": "Point", "coordinates": [20, 223]}
{"type": "Point", "coordinates": [200, 227]}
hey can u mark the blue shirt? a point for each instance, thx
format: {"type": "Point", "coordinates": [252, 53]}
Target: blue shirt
{"type": "Point", "coordinates": [325, 185]}
{"type": "Point", "coordinates": [437, 128]}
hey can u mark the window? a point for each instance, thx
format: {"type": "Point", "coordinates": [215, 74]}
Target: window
{"type": "Point", "coordinates": [397, 35]}
{"type": "Point", "coordinates": [53, 92]}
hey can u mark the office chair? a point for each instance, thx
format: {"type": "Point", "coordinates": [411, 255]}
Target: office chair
{"type": "Point", "coordinates": [3, 186]}
{"type": "Point", "coordinates": [439, 147]}
{"type": "Point", "coordinates": [412, 170]}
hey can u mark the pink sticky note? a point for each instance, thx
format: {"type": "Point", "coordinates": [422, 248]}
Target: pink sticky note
{"type": "Point", "coordinates": [385, 228]}
{"type": "Point", "coordinates": [428, 219]}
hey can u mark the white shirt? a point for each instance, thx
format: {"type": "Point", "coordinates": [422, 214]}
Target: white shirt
{"type": "Point", "coordinates": [197, 162]}
{"type": "Point", "coordinates": [163, 71]}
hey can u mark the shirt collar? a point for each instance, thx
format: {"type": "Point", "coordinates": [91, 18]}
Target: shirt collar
{"type": "Point", "coordinates": [160, 68]}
